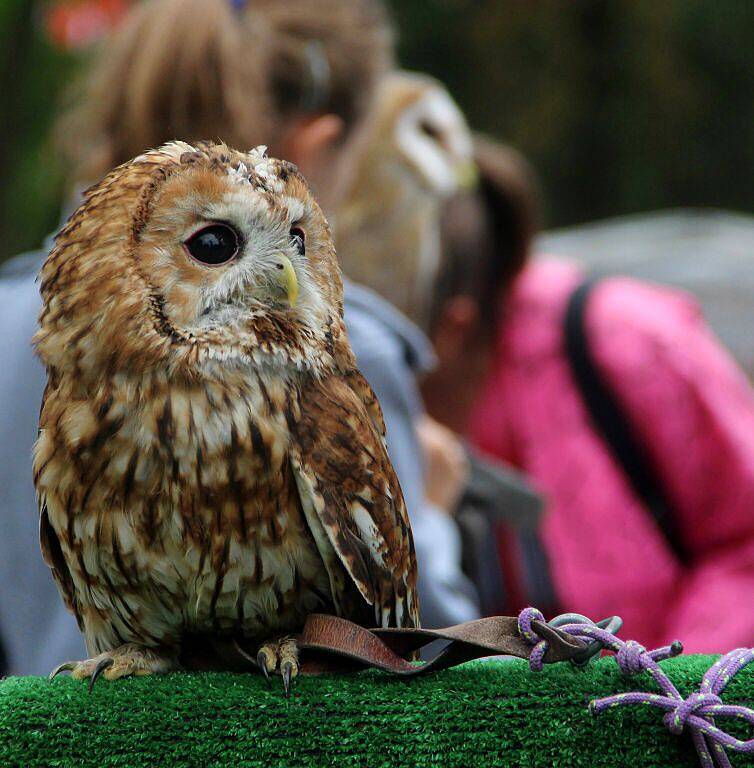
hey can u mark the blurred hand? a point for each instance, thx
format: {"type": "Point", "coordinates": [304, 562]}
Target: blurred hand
{"type": "Point", "coordinates": [446, 464]}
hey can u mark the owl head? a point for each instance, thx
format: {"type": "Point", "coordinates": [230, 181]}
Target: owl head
{"type": "Point", "coordinates": [416, 154]}
{"type": "Point", "coordinates": [419, 128]}
{"type": "Point", "coordinates": [189, 258]}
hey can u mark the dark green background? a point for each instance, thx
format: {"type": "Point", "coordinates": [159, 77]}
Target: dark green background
{"type": "Point", "coordinates": [621, 105]}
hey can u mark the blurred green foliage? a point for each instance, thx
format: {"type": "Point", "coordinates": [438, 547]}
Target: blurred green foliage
{"type": "Point", "coordinates": [621, 105]}
{"type": "Point", "coordinates": [32, 74]}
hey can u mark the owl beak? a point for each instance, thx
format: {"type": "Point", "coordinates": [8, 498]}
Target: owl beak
{"type": "Point", "coordinates": [467, 175]}
{"type": "Point", "coordinates": [286, 279]}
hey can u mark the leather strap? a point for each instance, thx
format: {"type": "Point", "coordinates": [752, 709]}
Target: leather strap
{"type": "Point", "coordinates": [330, 644]}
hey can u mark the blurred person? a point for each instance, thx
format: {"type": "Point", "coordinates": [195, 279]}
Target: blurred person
{"type": "Point", "coordinates": [298, 76]}
{"type": "Point", "coordinates": [619, 402]}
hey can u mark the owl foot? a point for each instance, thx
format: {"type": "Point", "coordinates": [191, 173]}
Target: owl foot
{"type": "Point", "coordinates": [129, 659]}
{"type": "Point", "coordinates": [279, 656]}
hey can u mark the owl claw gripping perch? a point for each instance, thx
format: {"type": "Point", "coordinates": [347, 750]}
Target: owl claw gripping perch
{"type": "Point", "coordinates": [123, 661]}
{"type": "Point", "coordinates": [210, 461]}
{"type": "Point", "coordinates": [282, 656]}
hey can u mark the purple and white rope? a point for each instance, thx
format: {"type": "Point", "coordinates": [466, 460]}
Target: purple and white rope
{"type": "Point", "coordinates": [695, 713]}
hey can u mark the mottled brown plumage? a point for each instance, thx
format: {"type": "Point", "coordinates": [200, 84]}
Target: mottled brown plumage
{"type": "Point", "coordinates": [210, 461]}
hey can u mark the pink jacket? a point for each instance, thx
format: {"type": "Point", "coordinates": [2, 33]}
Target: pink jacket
{"type": "Point", "coordinates": [691, 407]}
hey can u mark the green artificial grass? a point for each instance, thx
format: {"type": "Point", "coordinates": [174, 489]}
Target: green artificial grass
{"type": "Point", "coordinates": [494, 713]}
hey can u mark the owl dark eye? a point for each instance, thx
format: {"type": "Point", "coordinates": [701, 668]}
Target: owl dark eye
{"type": "Point", "coordinates": [216, 244]}
{"type": "Point", "coordinates": [429, 130]}
{"type": "Point", "coordinates": [299, 240]}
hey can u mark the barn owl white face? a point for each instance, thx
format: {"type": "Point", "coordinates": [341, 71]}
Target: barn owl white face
{"type": "Point", "coordinates": [435, 141]}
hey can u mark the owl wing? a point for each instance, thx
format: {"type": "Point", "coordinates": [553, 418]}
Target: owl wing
{"type": "Point", "coordinates": [53, 556]}
{"type": "Point", "coordinates": [353, 503]}
{"type": "Point", "coordinates": [52, 553]}
{"type": "Point", "coordinates": [365, 393]}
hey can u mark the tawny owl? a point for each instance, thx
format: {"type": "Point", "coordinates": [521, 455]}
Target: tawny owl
{"type": "Point", "coordinates": [210, 461]}
{"type": "Point", "coordinates": [416, 154]}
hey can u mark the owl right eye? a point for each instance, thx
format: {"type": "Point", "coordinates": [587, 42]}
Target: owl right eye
{"type": "Point", "coordinates": [214, 245]}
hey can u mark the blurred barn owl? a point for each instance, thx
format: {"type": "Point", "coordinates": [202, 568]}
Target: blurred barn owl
{"type": "Point", "coordinates": [210, 462]}
{"type": "Point", "coordinates": [416, 154]}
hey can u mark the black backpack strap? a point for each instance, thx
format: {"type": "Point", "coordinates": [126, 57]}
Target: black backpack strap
{"type": "Point", "coordinates": [611, 423]}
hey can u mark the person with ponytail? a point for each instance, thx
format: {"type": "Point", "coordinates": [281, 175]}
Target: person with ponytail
{"type": "Point", "coordinates": [295, 75]}
{"type": "Point", "coordinates": [621, 406]}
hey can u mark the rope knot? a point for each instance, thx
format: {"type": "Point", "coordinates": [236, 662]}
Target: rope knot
{"type": "Point", "coordinates": [525, 619]}
{"type": "Point", "coordinates": [676, 719]}
{"type": "Point", "coordinates": [536, 657]}
{"type": "Point", "coordinates": [631, 657]}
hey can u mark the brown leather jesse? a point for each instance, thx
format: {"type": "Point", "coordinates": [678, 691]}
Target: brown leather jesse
{"type": "Point", "coordinates": [330, 644]}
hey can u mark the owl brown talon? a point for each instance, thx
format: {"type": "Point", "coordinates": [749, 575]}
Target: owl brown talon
{"type": "Point", "coordinates": [66, 666]}
{"type": "Point", "coordinates": [262, 658]}
{"type": "Point", "coordinates": [102, 665]}
{"type": "Point", "coordinates": [279, 656]}
{"type": "Point", "coordinates": [129, 659]}
{"type": "Point", "coordinates": [267, 658]}
{"type": "Point", "coordinates": [288, 663]}
{"type": "Point", "coordinates": [286, 670]}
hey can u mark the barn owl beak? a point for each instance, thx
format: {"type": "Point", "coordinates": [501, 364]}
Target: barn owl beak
{"type": "Point", "coordinates": [467, 175]}
{"type": "Point", "coordinates": [286, 279]}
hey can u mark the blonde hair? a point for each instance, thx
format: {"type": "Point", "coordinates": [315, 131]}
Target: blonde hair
{"type": "Point", "coordinates": [216, 69]}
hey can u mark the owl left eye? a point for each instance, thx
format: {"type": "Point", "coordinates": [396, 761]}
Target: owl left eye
{"type": "Point", "coordinates": [298, 238]}
{"type": "Point", "coordinates": [429, 130]}
{"type": "Point", "coordinates": [214, 245]}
